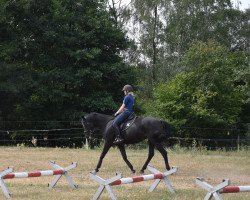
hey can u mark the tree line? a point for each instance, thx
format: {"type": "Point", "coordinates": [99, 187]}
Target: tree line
{"type": "Point", "coordinates": [187, 60]}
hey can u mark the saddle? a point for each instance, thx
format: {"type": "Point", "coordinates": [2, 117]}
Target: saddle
{"type": "Point", "coordinates": [128, 122]}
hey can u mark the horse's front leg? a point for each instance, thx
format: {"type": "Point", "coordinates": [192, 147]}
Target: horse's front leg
{"type": "Point", "coordinates": [104, 152]}
{"type": "Point", "coordinates": [125, 158]}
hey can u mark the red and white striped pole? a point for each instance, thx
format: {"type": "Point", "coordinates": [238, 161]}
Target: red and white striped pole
{"type": "Point", "coordinates": [215, 191]}
{"type": "Point", "coordinates": [138, 179]}
{"type": "Point", "coordinates": [118, 180]}
{"type": "Point", "coordinates": [33, 174]}
{"type": "Point", "coordinates": [58, 173]}
{"type": "Point", "coordinates": [235, 189]}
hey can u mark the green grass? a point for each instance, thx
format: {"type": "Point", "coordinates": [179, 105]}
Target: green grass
{"type": "Point", "coordinates": [214, 166]}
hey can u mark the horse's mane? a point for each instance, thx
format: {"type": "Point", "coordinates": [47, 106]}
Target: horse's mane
{"type": "Point", "coordinates": [102, 115]}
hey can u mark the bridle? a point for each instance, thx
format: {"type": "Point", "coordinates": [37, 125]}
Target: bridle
{"type": "Point", "coordinates": [89, 132]}
{"type": "Point", "coordinates": [86, 131]}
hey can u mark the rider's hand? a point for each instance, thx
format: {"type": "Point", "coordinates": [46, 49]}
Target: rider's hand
{"type": "Point", "coordinates": [116, 114]}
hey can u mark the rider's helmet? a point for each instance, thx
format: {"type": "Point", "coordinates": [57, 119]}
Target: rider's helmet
{"type": "Point", "coordinates": [127, 88]}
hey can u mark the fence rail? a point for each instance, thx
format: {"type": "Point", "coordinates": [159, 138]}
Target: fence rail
{"type": "Point", "coordinates": [71, 134]}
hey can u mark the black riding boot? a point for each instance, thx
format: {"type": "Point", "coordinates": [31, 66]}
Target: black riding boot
{"type": "Point", "coordinates": [118, 139]}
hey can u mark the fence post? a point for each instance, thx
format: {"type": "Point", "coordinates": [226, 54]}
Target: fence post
{"type": "Point", "coordinates": [238, 142]}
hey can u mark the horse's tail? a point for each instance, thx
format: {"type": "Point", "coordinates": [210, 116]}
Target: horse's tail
{"type": "Point", "coordinates": [166, 130]}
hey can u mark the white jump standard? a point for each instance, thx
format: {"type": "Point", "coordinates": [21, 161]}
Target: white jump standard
{"type": "Point", "coordinates": [219, 189]}
{"type": "Point", "coordinates": [58, 173]}
{"type": "Point", "coordinates": [118, 180]}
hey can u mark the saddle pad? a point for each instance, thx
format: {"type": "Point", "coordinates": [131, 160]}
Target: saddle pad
{"type": "Point", "coordinates": [128, 122]}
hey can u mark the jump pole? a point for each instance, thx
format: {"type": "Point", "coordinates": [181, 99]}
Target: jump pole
{"type": "Point", "coordinates": [220, 188]}
{"type": "Point", "coordinates": [118, 180]}
{"type": "Point", "coordinates": [58, 173]}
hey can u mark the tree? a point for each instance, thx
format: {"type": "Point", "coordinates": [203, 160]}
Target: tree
{"type": "Point", "coordinates": [165, 29]}
{"type": "Point", "coordinates": [60, 58]}
{"type": "Point", "coordinates": [147, 17]}
{"type": "Point", "coordinates": [208, 94]}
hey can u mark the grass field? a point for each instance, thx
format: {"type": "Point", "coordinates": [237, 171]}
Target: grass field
{"type": "Point", "coordinates": [213, 166]}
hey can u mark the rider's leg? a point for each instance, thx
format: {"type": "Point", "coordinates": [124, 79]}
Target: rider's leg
{"type": "Point", "coordinates": [118, 139]}
{"type": "Point", "coordinates": [116, 123]}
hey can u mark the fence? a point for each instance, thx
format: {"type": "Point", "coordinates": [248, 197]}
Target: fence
{"type": "Point", "coordinates": [71, 134]}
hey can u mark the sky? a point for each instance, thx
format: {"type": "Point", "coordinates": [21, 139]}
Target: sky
{"type": "Point", "coordinates": [244, 4]}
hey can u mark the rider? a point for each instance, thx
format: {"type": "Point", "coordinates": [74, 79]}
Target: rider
{"type": "Point", "coordinates": [124, 111]}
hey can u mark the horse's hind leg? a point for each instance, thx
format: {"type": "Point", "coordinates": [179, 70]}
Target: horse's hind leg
{"type": "Point", "coordinates": [125, 158]}
{"type": "Point", "coordinates": [163, 152]}
{"type": "Point", "coordinates": [151, 153]}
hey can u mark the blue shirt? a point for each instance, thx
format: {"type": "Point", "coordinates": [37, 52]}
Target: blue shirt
{"type": "Point", "coordinates": [129, 102]}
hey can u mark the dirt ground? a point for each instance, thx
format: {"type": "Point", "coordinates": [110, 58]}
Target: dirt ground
{"type": "Point", "coordinates": [213, 166]}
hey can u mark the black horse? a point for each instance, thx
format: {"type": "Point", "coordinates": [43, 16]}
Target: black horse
{"type": "Point", "coordinates": [152, 129]}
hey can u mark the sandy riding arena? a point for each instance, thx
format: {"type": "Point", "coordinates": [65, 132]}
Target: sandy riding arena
{"type": "Point", "coordinates": [214, 166]}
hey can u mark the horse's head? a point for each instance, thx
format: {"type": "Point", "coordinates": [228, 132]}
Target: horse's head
{"type": "Point", "coordinates": [95, 123]}
{"type": "Point", "coordinates": [87, 125]}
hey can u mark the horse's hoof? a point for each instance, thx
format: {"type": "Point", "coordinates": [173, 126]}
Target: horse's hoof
{"type": "Point", "coordinates": [133, 171]}
{"type": "Point", "coordinates": [141, 172]}
{"type": "Point", "coordinates": [94, 172]}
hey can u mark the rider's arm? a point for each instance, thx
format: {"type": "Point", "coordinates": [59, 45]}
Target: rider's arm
{"type": "Point", "coordinates": [120, 109]}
